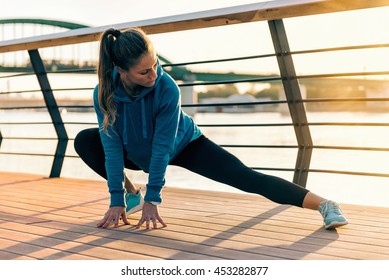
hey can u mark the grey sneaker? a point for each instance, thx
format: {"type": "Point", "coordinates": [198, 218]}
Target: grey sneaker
{"type": "Point", "coordinates": [332, 215]}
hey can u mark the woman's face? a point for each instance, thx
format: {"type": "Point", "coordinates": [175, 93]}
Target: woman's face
{"type": "Point", "coordinates": [143, 73]}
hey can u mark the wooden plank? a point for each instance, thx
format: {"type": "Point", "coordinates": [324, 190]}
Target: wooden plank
{"type": "Point", "coordinates": [269, 10]}
{"type": "Point", "coordinates": [53, 248]}
{"type": "Point", "coordinates": [11, 178]}
{"type": "Point", "coordinates": [164, 240]}
{"type": "Point", "coordinates": [12, 256]}
{"type": "Point", "coordinates": [62, 213]}
{"type": "Point", "coordinates": [35, 252]}
{"type": "Point", "coordinates": [66, 240]}
{"type": "Point", "coordinates": [368, 223]}
{"type": "Point", "coordinates": [267, 241]}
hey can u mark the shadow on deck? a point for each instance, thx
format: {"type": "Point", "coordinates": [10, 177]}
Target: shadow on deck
{"type": "Point", "coordinates": [43, 218]}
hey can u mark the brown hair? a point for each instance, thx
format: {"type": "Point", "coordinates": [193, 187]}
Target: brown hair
{"type": "Point", "coordinates": [122, 49]}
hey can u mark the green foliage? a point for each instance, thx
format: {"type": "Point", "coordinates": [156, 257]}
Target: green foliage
{"type": "Point", "coordinates": [272, 93]}
{"type": "Point", "coordinates": [223, 91]}
{"type": "Point", "coordinates": [219, 91]}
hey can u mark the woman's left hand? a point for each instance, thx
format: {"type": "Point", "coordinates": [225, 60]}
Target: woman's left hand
{"type": "Point", "coordinates": [150, 213]}
{"type": "Point", "coordinates": [112, 216]}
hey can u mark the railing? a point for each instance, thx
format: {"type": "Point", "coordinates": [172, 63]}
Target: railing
{"type": "Point", "coordinates": [274, 12]}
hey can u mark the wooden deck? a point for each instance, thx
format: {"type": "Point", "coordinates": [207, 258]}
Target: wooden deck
{"type": "Point", "coordinates": [43, 218]}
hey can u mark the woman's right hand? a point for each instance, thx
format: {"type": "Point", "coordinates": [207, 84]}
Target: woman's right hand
{"type": "Point", "coordinates": [113, 215]}
{"type": "Point", "coordinates": [150, 214]}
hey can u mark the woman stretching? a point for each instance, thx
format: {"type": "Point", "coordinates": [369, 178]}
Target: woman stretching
{"type": "Point", "coordinates": [142, 127]}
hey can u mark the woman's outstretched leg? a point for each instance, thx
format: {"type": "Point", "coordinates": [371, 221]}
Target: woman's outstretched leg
{"type": "Point", "coordinates": [206, 158]}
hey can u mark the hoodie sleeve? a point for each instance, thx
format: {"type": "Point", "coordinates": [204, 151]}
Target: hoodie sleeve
{"type": "Point", "coordinates": [114, 161]}
{"type": "Point", "coordinates": [166, 126]}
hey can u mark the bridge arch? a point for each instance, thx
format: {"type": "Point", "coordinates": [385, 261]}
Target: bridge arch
{"type": "Point", "coordinates": [57, 23]}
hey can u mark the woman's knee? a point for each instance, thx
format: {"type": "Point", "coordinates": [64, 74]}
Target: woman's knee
{"type": "Point", "coordinates": [85, 138]}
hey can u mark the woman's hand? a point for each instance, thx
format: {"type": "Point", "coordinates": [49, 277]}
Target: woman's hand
{"type": "Point", "coordinates": [150, 213]}
{"type": "Point", "coordinates": [113, 215]}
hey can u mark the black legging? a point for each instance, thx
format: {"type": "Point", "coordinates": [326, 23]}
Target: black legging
{"type": "Point", "coordinates": [206, 158]}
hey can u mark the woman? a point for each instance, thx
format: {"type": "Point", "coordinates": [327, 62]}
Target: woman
{"type": "Point", "coordinates": [142, 127]}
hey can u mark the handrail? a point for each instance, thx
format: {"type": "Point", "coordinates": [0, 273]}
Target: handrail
{"type": "Point", "coordinates": [219, 60]}
{"type": "Point", "coordinates": [263, 11]}
{"type": "Point", "coordinates": [345, 48]}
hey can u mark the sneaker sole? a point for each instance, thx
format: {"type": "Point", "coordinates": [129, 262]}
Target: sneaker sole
{"type": "Point", "coordinates": [334, 225]}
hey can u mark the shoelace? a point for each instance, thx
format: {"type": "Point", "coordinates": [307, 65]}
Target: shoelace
{"type": "Point", "coordinates": [330, 207]}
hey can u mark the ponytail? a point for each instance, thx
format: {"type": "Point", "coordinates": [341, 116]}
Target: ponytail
{"type": "Point", "coordinates": [105, 69]}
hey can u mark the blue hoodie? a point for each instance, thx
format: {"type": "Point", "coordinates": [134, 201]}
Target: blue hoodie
{"type": "Point", "coordinates": [150, 130]}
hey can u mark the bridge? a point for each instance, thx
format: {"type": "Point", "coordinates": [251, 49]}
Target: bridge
{"type": "Point", "coordinates": [19, 26]}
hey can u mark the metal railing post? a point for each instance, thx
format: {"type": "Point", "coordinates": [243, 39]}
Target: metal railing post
{"type": "Point", "coordinates": [52, 108]}
{"type": "Point", "coordinates": [294, 98]}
